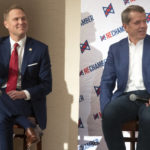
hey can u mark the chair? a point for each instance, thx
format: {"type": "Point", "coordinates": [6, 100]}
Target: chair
{"type": "Point", "coordinates": [132, 127]}
{"type": "Point", "coordinates": [23, 136]}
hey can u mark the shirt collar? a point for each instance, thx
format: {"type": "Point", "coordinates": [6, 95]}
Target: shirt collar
{"type": "Point", "coordinates": [20, 42]}
{"type": "Point", "coordinates": [139, 42]}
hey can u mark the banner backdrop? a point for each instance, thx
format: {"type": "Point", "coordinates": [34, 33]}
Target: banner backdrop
{"type": "Point", "coordinates": [100, 27]}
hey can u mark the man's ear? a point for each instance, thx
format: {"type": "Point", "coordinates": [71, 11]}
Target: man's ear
{"type": "Point", "coordinates": [5, 24]}
{"type": "Point", "coordinates": [125, 27]}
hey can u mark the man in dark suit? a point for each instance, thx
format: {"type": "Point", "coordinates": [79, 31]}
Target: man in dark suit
{"type": "Point", "coordinates": [32, 76]}
{"type": "Point", "coordinates": [127, 65]}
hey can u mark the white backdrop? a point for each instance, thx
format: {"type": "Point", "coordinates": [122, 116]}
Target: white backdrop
{"type": "Point", "coordinates": [100, 27]}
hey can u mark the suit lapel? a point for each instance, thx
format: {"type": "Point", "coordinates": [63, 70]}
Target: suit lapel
{"type": "Point", "coordinates": [125, 56]}
{"type": "Point", "coordinates": [124, 62]}
{"type": "Point", "coordinates": [6, 51]}
{"type": "Point", "coordinates": [27, 53]}
{"type": "Point", "coordinates": [146, 54]}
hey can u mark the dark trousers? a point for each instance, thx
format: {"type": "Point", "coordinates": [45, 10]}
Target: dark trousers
{"type": "Point", "coordinates": [12, 111]}
{"type": "Point", "coordinates": [121, 110]}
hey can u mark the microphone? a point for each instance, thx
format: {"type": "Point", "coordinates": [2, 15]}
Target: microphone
{"type": "Point", "coordinates": [134, 97]}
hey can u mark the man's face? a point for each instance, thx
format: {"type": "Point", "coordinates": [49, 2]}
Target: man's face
{"type": "Point", "coordinates": [137, 27]}
{"type": "Point", "coordinates": [16, 23]}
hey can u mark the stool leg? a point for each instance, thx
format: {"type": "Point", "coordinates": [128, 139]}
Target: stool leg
{"type": "Point", "coordinates": [24, 141]}
{"type": "Point", "coordinates": [39, 144]}
{"type": "Point", "coordinates": [132, 143]}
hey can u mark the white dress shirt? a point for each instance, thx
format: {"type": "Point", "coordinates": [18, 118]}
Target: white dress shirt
{"type": "Point", "coordinates": [20, 50]}
{"type": "Point", "coordinates": [135, 77]}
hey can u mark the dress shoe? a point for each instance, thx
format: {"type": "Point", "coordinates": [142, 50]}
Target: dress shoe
{"type": "Point", "coordinates": [38, 130]}
{"type": "Point", "coordinates": [33, 136]}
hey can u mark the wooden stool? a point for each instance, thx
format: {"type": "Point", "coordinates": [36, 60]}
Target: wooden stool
{"type": "Point", "coordinates": [132, 127]}
{"type": "Point", "coordinates": [23, 136]}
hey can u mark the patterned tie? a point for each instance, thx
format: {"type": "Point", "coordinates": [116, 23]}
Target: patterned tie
{"type": "Point", "coordinates": [13, 70]}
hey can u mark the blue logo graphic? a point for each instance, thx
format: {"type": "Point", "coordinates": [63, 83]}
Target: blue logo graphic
{"type": "Point", "coordinates": [92, 67]}
{"type": "Point", "coordinates": [89, 145]}
{"type": "Point", "coordinates": [112, 33]}
{"type": "Point", "coordinates": [81, 98]}
{"type": "Point", "coordinates": [84, 46]}
{"type": "Point", "coordinates": [87, 20]}
{"type": "Point", "coordinates": [80, 124]}
{"type": "Point", "coordinates": [97, 116]}
{"type": "Point", "coordinates": [108, 10]}
{"type": "Point", "coordinates": [128, 1]}
{"type": "Point", "coordinates": [97, 90]}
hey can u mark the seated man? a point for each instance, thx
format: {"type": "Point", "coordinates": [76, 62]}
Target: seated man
{"type": "Point", "coordinates": [127, 64]}
{"type": "Point", "coordinates": [25, 79]}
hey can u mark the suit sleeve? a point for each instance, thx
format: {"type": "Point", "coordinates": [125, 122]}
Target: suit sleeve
{"type": "Point", "coordinates": [44, 85]}
{"type": "Point", "coordinates": [108, 80]}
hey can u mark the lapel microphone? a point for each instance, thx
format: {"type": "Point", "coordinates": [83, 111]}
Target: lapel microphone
{"type": "Point", "coordinates": [134, 97]}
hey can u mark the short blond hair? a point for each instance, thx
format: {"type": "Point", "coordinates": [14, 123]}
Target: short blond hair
{"type": "Point", "coordinates": [14, 6]}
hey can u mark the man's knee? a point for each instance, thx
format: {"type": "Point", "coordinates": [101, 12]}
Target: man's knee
{"type": "Point", "coordinates": [144, 115]}
{"type": "Point", "coordinates": [4, 120]}
{"type": "Point", "coordinates": [109, 113]}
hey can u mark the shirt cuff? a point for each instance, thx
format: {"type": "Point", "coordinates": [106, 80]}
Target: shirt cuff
{"type": "Point", "coordinates": [27, 95]}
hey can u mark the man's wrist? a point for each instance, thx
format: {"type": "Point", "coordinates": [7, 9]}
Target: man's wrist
{"type": "Point", "coordinates": [27, 95]}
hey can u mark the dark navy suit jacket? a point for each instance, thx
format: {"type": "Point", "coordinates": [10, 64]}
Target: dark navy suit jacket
{"type": "Point", "coordinates": [117, 67]}
{"type": "Point", "coordinates": [35, 73]}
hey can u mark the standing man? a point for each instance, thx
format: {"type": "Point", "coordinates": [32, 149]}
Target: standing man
{"type": "Point", "coordinates": [25, 79]}
{"type": "Point", "coordinates": [127, 64]}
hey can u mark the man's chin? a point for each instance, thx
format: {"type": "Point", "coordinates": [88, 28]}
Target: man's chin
{"type": "Point", "coordinates": [21, 35]}
{"type": "Point", "coordinates": [142, 36]}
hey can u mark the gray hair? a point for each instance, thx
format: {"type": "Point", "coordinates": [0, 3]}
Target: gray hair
{"type": "Point", "coordinates": [125, 15]}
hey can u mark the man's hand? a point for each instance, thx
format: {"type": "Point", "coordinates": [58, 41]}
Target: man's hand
{"type": "Point", "coordinates": [16, 94]}
{"type": "Point", "coordinates": [148, 103]}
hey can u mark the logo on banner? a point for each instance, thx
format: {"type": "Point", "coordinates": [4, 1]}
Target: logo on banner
{"type": "Point", "coordinates": [112, 33]}
{"type": "Point", "coordinates": [108, 10]}
{"type": "Point", "coordinates": [97, 90]}
{"type": "Point", "coordinates": [92, 144]}
{"type": "Point", "coordinates": [147, 17]}
{"type": "Point", "coordinates": [93, 67]}
{"type": "Point", "coordinates": [128, 1]}
{"type": "Point", "coordinates": [81, 98]}
{"type": "Point", "coordinates": [87, 20]}
{"type": "Point", "coordinates": [80, 124]}
{"type": "Point", "coordinates": [84, 46]}
{"type": "Point", "coordinates": [97, 116]}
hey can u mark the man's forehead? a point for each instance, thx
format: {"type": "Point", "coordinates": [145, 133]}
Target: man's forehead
{"type": "Point", "coordinates": [136, 15]}
{"type": "Point", "coordinates": [16, 12]}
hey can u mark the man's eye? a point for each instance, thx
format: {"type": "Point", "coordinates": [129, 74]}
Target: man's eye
{"type": "Point", "coordinates": [15, 19]}
{"type": "Point", "coordinates": [137, 22]}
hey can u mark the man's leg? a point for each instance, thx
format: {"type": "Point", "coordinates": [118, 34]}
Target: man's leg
{"type": "Point", "coordinates": [19, 109]}
{"type": "Point", "coordinates": [6, 132]}
{"type": "Point", "coordinates": [24, 122]}
{"type": "Point", "coordinates": [144, 128]}
{"type": "Point", "coordinates": [115, 114]}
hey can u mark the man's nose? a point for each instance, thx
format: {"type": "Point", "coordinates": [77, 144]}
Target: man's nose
{"type": "Point", "coordinates": [20, 21]}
